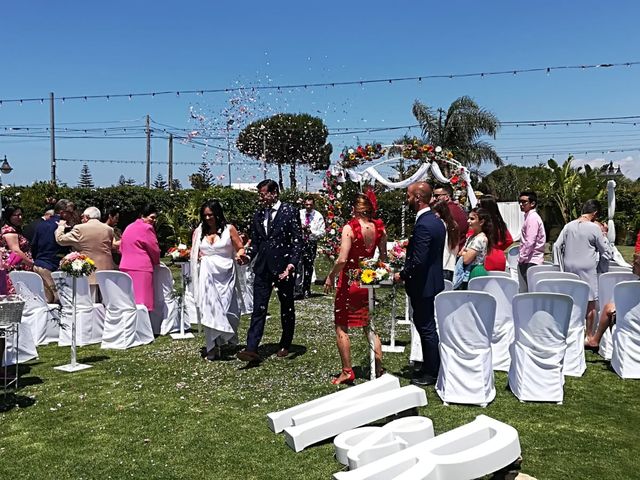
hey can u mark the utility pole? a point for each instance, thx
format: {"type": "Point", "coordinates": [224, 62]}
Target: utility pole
{"type": "Point", "coordinates": [170, 175]}
{"type": "Point", "coordinates": [148, 130]}
{"type": "Point", "coordinates": [52, 136]}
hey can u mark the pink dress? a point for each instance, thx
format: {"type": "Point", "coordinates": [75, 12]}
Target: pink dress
{"type": "Point", "coordinates": [10, 260]}
{"type": "Point", "coordinates": [140, 253]}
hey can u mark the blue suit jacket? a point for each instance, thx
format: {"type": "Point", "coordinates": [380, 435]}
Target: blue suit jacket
{"type": "Point", "coordinates": [282, 246]}
{"type": "Point", "coordinates": [422, 272]}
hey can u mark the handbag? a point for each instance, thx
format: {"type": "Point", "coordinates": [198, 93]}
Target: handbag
{"type": "Point", "coordinates": [13, 260]}
{"type": "Point", "coordinates": [461, 273]}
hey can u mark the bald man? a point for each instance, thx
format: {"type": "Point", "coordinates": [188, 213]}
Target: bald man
{"type": "Point", "coordinates": [422, 274]}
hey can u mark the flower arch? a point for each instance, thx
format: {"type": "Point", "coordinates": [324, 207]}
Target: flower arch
{"type": "Point", "coordinates": [430, 159]}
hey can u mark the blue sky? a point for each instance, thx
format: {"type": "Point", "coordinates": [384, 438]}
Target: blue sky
{"type": "Point", "coordinates": [86, 48]}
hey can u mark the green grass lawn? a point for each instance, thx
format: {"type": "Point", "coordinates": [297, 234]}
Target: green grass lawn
{"type": "Point", "coordinates": [160, 411]}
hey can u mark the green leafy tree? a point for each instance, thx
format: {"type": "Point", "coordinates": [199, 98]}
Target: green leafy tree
{"type": "Point", "coordinates": [126, 182]}
{"type": "Point", "coordinates": [160, 183]}
{"type": "Point", "coordinates": [506, 183]}
{"type": "Point", "coordinates": [287, 139]}
{"type": "Point", "coordinates": [86, 180]}
{"type": "Point", "coordinates": [176, 184]}
{"type": "Point", "coordinates": [460, 129]}
{"type": "Point", "coordinates": [203, 178]}
{"type": "Point", "coordinates": [570, 187]}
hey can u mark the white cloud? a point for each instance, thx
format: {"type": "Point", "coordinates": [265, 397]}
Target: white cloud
{"type": "Point", "coordinates": [629, 165]}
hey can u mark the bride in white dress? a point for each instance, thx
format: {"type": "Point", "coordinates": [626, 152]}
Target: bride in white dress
{"type": "Point", "coordinates": [215, 247]}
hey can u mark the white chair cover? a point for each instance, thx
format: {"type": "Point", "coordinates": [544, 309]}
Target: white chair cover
{"type": "Point", "coordinates": [26, 345]}
{"type": "Point", "coordinates": [539, 268]}
{"type": "Point", "coordinates": [625, 359]}
{"type": "Point", "coordinates": [89, 315]}
{"type": "Point", "coordinates": [538, 276]}
{"type": "Point", "coordinates": [44, 325]}
{"type": "Point", "coordinates": [416, 343]}
{"type": "Point", "coordinates": [126, 324]}
{"type": "Point", "coordinates": [503, 290]}
{"type": "Point", "coordinates": [465, 323]}
{"type": "Point", "coordinates": [541, 323]}
{"type": "Point", "coordinates": [512, 262]}
{"type": "Point", "coordinates": [574, 363]}
{"type": "Point", "coordinates": [497, 273]}
{"type": "Point", "coordinates": [165, 317]}
{"type": "Point", "coordinates": [619, 268]}
{"type": "Point", "coordinates": [606, 284]}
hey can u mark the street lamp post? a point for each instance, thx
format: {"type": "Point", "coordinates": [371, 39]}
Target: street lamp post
{"type": "Point", "coordinates": [6, 169]}
{"type": "Point", "coordinates": [229, 123]}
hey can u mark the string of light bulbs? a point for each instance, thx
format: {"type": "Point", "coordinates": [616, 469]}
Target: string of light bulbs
{"type": "Point", "coordinates": [299, 86]}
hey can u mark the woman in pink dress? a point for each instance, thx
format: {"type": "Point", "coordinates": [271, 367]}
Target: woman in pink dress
{"type": "Point", "coordinates": [15, 248]}
{"type": "Point", "coordinates": [140, 253]}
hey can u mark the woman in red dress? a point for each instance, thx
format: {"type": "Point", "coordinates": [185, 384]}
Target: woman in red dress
{"type": "Point", "coordinates": [360, 237]}
{"type": "Point", "coordinates": [496, 259]}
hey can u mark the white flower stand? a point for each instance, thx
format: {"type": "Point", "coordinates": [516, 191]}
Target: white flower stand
{"type": "Point", "coordinates": [74, 366]}
{"type": "Point", "coordinates": [186, 278]}
{"type": "Point", "coordinates": [392, 347]}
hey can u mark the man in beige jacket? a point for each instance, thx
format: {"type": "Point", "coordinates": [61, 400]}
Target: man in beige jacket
{"type": "Point", "coordinates": [92, 238]}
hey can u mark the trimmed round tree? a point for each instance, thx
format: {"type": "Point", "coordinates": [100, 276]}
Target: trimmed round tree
{"type": "Point", "coordinates": [287, 139]}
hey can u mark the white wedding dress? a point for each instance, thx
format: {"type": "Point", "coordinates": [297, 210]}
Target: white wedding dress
{"type": "Point", "coordinates": [217, 291]}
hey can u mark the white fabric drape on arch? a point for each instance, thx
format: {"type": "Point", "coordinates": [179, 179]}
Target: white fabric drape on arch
{"type": "Point", "coordinates": [423, 170]}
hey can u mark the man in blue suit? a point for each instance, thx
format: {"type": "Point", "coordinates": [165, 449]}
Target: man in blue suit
{"type": "Point", "coordinates": [422, 274]}
{"type": "Point", "coordinates": [276, 244]}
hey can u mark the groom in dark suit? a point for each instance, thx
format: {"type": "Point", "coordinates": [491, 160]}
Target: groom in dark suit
{"type": "Point", "coordinates": [276, 244]}
{"type": "Point", "coordinates": [422, 274]}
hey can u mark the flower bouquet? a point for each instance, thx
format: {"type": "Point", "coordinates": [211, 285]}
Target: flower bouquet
{"type": "Point", "coordinates": [370, 272]}
{"type": "Point", "coordinates": [77, 265]}
{"type": "Point", "coordinates": [398, 254]}
{"type": "Point", "coordinates": [352, 157]}
{"type": "Point", "coordinates": [181, 253]}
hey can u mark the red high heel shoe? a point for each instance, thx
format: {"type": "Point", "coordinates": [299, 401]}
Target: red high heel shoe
{"type": "Point", "coordinates": [351, 376]}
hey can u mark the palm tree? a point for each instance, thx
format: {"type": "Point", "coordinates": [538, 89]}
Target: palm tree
{"type": "Point", "coordinates": [460, 130]}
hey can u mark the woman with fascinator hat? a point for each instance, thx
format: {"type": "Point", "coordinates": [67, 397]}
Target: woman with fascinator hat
{"type": "Point", "coordinates": [360, 238]}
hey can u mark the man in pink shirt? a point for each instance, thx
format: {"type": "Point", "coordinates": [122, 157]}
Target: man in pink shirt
{"type": "Point", "coordinates": [533, 237]}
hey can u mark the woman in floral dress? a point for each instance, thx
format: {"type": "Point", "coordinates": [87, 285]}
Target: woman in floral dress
{"type": "Point", "coordinates": [14, 246]}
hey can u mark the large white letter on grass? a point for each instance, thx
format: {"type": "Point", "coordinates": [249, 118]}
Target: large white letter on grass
{"type": "Point", "coordinates": [364, 445]}
{"type": "Point", "coordinates": [278, 421]}
{"type": "Point", "coordinates": [351, 415]}
{"type": "Point", "coordinates": [467, 452]}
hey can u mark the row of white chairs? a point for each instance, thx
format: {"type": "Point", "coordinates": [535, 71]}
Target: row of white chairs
{"type": "Point", "coordinates": [512, 267]}
{"type": "Point", "coordinates": [547, 330]}
{"type": "Point", "coordinates": [117, 323]}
